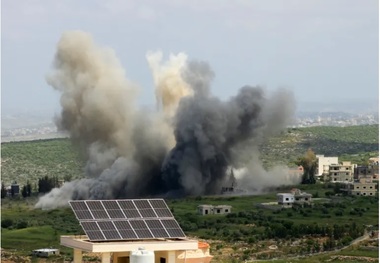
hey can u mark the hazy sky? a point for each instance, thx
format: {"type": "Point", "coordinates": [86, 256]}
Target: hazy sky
{"type": "Point", "coordinates": [318, 48]}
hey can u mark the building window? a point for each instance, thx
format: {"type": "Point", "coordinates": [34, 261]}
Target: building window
{"type": "Point", "coordinates": [357, 193]}
{"type": "Point", "coordinates": [335, 173]}
{"type": "Point", "coordinates": [364, 187]}
{"type": "Point", "coordinates": [346, 168]}
{"type": "Point", "coordinates": [217, 211]}
{"type": "Point", "coordinates": [226, 211]}
{"type": "Point", "coordinates": [357, 187]}
{"type": "Point", "coordinates": [334, 179]}
{"type": "Point", "coordinates": [206, 212]}
{"type": "Point", "coordinates": [346, 173]}
{"type": "Point", "coordinates": [370, 187]}
{"type": "Point", "coordinates": [370, 193]}
{"type": "Point", "coordinates": [306, 198]}
{"type": "Point", "coordinates": [364, 193]}
{"type": "Point", "coordinates": [287, 199]}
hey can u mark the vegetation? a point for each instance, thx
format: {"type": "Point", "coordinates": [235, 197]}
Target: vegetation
{"type": "Point", "coordinates": [32, 160]}
{"type": "Point", "coordinates": [332, 222]}
{"type": "Point", "coordinates": [58, 158]}
{"type": "Point", "coordinates": [309, 164]}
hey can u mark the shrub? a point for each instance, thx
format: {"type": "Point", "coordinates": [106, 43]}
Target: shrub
{"type": "Point", "coordinates": [21, 224]}
{"type": "Point", "coordinates": [6, 223]}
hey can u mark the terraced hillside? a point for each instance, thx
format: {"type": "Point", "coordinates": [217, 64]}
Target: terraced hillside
{"type": "Point", "coordinates": [30, 160]}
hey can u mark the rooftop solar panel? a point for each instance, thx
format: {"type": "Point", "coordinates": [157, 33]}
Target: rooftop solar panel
{"type": "Point", "coordinates": [126, 219]}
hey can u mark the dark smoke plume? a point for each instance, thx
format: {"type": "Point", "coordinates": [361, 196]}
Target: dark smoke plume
{"type": "Point", "coordinates": [185, 149]}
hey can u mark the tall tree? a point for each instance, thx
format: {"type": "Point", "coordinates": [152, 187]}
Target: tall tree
{"type": "Point", "coordinates": [309, 164]}
{"type": "Point", "coordinates": [28, 188]}
{"type": "Point", "coordinates": [24, 192]}
{"type": "Point", "coordinates": [45, 184]}
{"type": "Point", "coordinates": [3, 191]}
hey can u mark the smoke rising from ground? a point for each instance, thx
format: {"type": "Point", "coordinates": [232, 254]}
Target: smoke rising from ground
{"type": "Point", "coordinates": [185, 148]}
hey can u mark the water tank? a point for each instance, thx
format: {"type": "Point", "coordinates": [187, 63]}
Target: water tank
{"type": "Point", "coordinates": [142, 256]}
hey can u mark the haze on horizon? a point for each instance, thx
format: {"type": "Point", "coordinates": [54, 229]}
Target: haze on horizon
{"type": "Point", "coordinates": [322, 50]}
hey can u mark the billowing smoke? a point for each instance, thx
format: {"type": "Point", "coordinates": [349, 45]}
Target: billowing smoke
{"type": "Point", "coordinates": [167, 77]}
{"type": "Point", "coordinates": [185, 148]}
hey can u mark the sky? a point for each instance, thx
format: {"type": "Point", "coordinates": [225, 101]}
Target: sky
{"type": "Point", "coordinates": [323, 50]}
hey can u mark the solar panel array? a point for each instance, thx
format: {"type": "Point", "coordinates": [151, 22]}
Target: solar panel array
{"type": "Point", "coordinates": [126, 219]}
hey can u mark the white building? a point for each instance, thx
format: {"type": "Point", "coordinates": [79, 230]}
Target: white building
{"type": "Point", "coordinates": [285, 199]}
{"type": "Point", "coordinates": [324, 164]}
{"type": "Point", "coordinates": [45, 252]}
{"type": "Point", "coordinates": [295, 196]}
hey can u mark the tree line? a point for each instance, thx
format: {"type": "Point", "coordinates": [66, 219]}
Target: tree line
{"type": "Point", "coordinates": [45, 184]}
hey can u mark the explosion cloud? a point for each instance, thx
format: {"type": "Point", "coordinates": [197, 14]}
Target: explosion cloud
{"type": "Point", "coordinates": [185, 148]}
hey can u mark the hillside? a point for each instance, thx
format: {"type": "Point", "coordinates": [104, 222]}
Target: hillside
{"type": "Point", "coordinates": [30, 160]}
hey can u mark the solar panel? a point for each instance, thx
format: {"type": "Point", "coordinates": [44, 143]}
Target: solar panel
{"type": "Point", "coordinates": [81, 210]}
{"type": "Point", "coordinates": [113, 209]}
{"type": "Point", "coordinates": [126, 219]}
{"type": "Point", "coordinates": [97, 210]}
{"type": "Point", "coordinates": [125, 230]}
{"type": "Point", "coordinates": [157, 228]}
{"type": "Point", "coordinates": [92, 230]}
{"type": "Point", "coordinates": [129, 209]}
{"type": "Point", "coordinates": [173, 228]}
{"type": "Point", "coordinates": [141, 229]}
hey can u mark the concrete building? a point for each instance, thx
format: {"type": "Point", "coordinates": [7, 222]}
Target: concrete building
{"type": "Point", "coordinates": [165, 251]}
{"type": "Point", "coordinates": [285, 199]}
{"type": "Point", "coordinates": [323, 165]}
{"type": "Point", "coordinates": [45, 252]}
{"type": "Point", "coordinates": [301, 197]}
{"type": "Point", "coordinates": [215, 210]}
{"type": "Point", "coordinates": [368, 171]}
{"type": "Point", "coordinates": [342, 172]}
{"type": "Point", "coordinates": [364, 187]}
{"type": "Point", "coordinates": [296, 196]}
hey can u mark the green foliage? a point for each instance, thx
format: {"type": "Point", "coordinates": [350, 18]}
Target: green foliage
{"type": "Point", "coordinates": [31, 160]}
{"type": "Point", "coordinates": [6, 223]}
{"type": "Point", "coordinates": [45, 184]}
{"type": "Point", "coordinates": [354, 143]}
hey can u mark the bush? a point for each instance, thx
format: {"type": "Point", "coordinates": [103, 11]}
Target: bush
{"type": "Point", "coordinates": [6, 223]}
{"type": "Point", "coordinates": [21, 224]}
